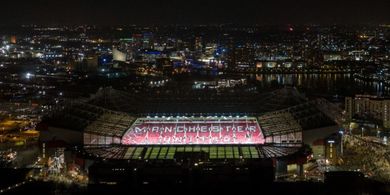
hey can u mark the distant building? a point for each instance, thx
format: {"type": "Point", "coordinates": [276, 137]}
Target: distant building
{"type": "Point", "coordinates": [198, 44]}
{"type": "Point", "coordinates": [332, 148]}
{"type": "Point", "coordinates": [92, 63]}
{"type": "Point", "coordinates": [332, 56]}
{"type": "Point", "coordinates": [13, 39]}
{"type": "Point", "coordinates": [244, 57]}
{"type": "Point", "coordinates": [366, 105]}
{"type": "Point", "coordinates": [118, 55]}
{"type": "Point", "coordinates": [358, 55]}
{"type": "Point", "coordinates": [231, 54]}
{"type": "Point", "coordinates": [147, 42]}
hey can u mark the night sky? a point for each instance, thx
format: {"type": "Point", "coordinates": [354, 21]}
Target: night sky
{"type": "Point", "coordinates": [195, 11]}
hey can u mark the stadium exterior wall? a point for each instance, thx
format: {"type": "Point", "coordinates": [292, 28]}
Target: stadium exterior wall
{"type": "Point", "coordinates": [310, 136]}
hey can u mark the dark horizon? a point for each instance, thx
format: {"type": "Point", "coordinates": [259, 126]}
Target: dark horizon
{"type": "Point", "coordinates": [155, 12]}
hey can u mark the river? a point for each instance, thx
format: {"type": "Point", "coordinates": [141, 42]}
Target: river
{"type": "Point", "coordinates": [323, 84]}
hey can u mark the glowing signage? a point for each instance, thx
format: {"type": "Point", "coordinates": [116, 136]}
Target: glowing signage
{"type": "Point", "coordinates": [164, 132]}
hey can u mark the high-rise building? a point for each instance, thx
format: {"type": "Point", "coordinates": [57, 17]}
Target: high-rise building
{"type": "Point", "coordinates": [231, 54]}
{"type": "Point", "coordinates": [198, 45]}
{"type": "Point", "coordinates": [147, 42]}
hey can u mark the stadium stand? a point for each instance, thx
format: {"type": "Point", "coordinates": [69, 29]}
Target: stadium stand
{"type": "Point", "coordinates": [111, 124]}
{"type": "Point", "coordinates": [233, 152]}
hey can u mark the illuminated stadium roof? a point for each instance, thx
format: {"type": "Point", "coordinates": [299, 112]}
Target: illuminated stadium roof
{"type": "Point", "coordinates": [110, 124]}
{"type": "Point", "coordinates": [277, 123]}
{"type": "Point", "coordinates": [197, 102]}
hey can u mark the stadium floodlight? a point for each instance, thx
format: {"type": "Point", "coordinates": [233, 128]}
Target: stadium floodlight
{"type": "Point", "coordinates": [155, 116]}
{"type": "Point", "coordinates": [238, 116]}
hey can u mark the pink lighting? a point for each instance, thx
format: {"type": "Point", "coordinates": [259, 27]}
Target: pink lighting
{"type": "Point", "coordinates": [199, 131]}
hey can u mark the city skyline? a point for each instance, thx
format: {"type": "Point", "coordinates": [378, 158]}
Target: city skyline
{"type": "Point", "coordinates": [285, 97]}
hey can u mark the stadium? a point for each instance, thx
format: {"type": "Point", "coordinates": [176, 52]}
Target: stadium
{"type": "Point", "coordinates": [241, 137]}
{"type": "Point", "coordinates": [119, 138]}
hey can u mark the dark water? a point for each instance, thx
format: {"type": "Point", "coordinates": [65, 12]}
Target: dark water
{"type": "Point", "coordinates": [323, 84]}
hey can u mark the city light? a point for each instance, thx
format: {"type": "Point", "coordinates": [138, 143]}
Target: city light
{"type": "Point", "coordinates": [28, 75]}
{"type": "Point", "coordinates": [176, 104]}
